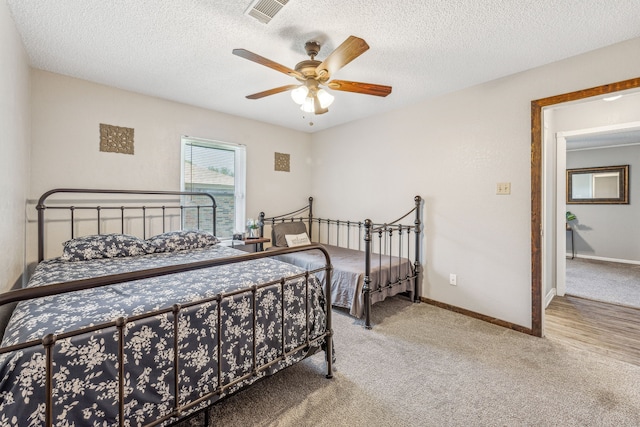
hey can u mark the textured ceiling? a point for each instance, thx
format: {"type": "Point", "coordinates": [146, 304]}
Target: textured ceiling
{"type": "Point", "coordinates": [181, 49]}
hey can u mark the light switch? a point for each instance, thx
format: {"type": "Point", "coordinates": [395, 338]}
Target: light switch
{"type": "Point", "coordinates": [503, 188]}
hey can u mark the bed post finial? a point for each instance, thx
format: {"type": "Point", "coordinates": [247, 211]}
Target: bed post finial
{"type": "Point", "coordinates": [417, 264]}
{"type": "Point", "coordinates": [366, 289]}
{"type": "Point", "coordinates": [40, 207]}
{"type": "Point", "coordinates": [261, 223]}
{"type": "Point", "coordinates": [311, 218]}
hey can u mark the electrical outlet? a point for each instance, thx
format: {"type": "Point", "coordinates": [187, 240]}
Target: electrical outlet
{"type": "Point", "coordinates": [453, 279]}
{"type": "Point", "coordinates": [503, 188]}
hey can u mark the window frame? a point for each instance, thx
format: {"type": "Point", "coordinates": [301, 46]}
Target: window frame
{"type": "Point", "coordinates": [239, 175]}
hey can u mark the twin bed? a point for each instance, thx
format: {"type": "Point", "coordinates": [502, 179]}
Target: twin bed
{"type": "Point", "coordinates": [124, 330]}
{"type": "Point", "coordinates": [371, 261]}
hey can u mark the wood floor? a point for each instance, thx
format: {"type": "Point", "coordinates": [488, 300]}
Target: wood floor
{"type": "Point", "coordinates": [607, 329]}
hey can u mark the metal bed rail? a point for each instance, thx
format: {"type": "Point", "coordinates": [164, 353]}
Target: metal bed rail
{"type": "Point", "coordinates": [145, 211]}
{"type": "Point", "coordinates": [340, 232]}
{"type": "Point", "coordinates": [49, 341]}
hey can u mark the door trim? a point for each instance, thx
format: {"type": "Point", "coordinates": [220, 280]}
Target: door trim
{"type": "Point", "coordinates": [561, 215]}
{"type": "Point", "coordinates": [537, 299]}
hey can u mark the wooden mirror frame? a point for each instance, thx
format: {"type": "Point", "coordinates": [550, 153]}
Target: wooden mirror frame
{"type": "Point", "coordinates": [536, 185]}
{"type": "Point", "coordinates": [623, 186]}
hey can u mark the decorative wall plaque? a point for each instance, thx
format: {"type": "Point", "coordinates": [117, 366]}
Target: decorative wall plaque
{"type": "Point", "coordinates": [282, 162]}
{"type": "Point", "coordinates": [116, 139]}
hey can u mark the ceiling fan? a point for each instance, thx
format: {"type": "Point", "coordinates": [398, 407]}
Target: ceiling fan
{"type": "Point", "coordinates": [312, 74]}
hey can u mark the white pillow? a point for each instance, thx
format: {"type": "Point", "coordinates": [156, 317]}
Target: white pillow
{"type": "Point", "coordinates": [294, 240]}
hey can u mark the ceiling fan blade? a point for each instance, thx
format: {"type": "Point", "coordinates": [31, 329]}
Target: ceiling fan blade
{"type": "Point", "coordinates": [243, 53]}
{"type": "Point", "coordinates": [358, 87]}
{"type": "Point", "coordinates": [272, 91]}
{"type": "Point", "coordinates": [349, 50]}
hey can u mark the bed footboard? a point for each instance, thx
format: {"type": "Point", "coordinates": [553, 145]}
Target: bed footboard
{"type": "Point", "coordinates": [389, 230]}
{"type": "Point", "coordinates": [50, 345]}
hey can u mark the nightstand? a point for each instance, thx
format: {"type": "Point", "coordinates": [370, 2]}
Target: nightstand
{"type": "Point", "coordinates": [257, 243]}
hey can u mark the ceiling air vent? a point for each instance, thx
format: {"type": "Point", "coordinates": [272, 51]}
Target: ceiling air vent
{"type": "Point", "coordinates": [265, 10]}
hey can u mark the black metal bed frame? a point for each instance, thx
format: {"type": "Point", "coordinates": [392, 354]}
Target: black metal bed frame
{"type": "Point", "coordinates": [48, 342]}
{"type": "Point", "coordinates": [41, 207]}
{"type": "Point", "coordinates": [387, 233]}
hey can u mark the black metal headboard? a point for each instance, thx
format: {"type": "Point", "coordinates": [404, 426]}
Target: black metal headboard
{"type": "Point", "coordinates": [339, 232]}
{"type": "Point", "coordinates": [289, 217]}
{"type": "Point", "coordinates": [198, 212]}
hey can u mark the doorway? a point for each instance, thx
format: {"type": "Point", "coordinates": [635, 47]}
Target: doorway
{"type": "Point", "coordinates": [537, 188]}
{"type": "Point", "coordinates": [597, 312]}
{"type": "Point", "coordinates": [598, 268]}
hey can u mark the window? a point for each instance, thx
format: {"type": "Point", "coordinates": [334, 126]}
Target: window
{"type": "Point", "coordinates": [217, 168]}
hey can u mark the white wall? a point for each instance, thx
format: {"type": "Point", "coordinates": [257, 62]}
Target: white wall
{"type": "Point", "coordinates": [14, 146]}
{"type": "Point", "coordinates": [66, 117]}
{"type": "Point", "coordinates": [597, 113]}
{"type": "Point", "coordinates": [452, 151]}
{"type": "Point", "coordinates": [551, 269]}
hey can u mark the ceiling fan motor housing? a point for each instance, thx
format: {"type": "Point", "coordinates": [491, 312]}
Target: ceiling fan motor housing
{"type": "Point", "coordinates": [307, 68]}
{"type": "Point", "coordinates": [312, 48]}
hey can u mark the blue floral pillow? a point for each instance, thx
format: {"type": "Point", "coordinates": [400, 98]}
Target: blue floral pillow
{"type": "Point", "coordinates": [104, 246]}
{"type": "Point", "coordinates": [180, 240]}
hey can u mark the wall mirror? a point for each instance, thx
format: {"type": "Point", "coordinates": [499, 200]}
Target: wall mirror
{"type": "Point", "coordinates": [598, 185]}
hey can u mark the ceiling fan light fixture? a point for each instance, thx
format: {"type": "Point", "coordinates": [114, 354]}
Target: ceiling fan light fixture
{"type": "Point", "coordinates": [299, 94]}
{"type": "Point", "coordinates": [312, 73]}
{"type": "Point", "coordinates": [325, 98]}
{"type": "Point", "coordinates": [308, 105]}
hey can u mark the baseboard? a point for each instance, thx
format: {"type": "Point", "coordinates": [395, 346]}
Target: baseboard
{"type": "Point", "coordinates": [600, 258]}
{"type": "Point", "coordinates": [479, 316]}
{"type": "Point", "coordinates": [549, 297]}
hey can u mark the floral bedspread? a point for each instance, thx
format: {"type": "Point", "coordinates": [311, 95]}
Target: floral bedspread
{"type": "Point", "coordinates": [85, 386]}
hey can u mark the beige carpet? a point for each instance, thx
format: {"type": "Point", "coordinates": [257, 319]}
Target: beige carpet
{"type": "Point", "coordinates": [425, 366]}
